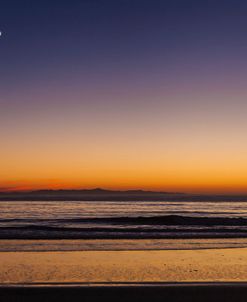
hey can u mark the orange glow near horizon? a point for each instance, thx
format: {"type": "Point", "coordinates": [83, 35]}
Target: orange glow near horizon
{"type": "Point", "coordinates": [153, 146]}
{"type": "Point", "coordinates": [146, 180]}
{"type": "Point", "coordinates": [179, 170]}
{"type": "Point", "coordinates": [162, 148]}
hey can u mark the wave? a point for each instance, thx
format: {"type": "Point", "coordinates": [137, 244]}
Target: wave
{"type": "Point", "coordinates": [124, 230]}
{"type": "Point", "coordinates": [42, 232]}
{"type": "Point", "coordinates": [144, 220]}
{"type": "Point", "coordinates": [140, 227]}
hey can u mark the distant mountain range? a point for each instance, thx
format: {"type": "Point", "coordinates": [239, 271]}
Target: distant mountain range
{"type": "Point", "coordinates": [87, 194]}
{"type": "Point", "coordinates": [99, 194]}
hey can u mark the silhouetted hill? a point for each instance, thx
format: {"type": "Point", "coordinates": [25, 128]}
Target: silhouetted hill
{"type": "Point", "coordinates": [88, 194]}
{"type": "Point", "coordinates": [99, 194]}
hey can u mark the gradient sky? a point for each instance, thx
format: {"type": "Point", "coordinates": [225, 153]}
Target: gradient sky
{"type": "Point", "coordinates": [124, 94]}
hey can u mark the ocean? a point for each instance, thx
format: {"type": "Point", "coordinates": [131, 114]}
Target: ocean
{"type": "Point", "coordinates": [122, 219]}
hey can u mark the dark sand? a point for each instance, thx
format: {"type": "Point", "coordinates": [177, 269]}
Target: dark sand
{"type": "Point", "coordinates": [197, 292]}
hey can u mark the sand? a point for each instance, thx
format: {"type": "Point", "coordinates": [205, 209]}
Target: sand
{"type": "Point", "coordinates": [24, 245]}
{"type": "Point", "coordinates": [204, 265]}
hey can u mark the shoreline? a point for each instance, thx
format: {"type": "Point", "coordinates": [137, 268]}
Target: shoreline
{"type": "Point", "coordinates": [147, 236]}
{"type": "Point", "coordinates": [70, 245]}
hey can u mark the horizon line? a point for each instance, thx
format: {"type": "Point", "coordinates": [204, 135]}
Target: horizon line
{"type": "Point", "coordinates": [19, 191]}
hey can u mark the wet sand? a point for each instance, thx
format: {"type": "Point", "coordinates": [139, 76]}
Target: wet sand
{"type": "Point", "coordinates": [12, 245]}
{"type": "Point", "coordinates": [81, 267]}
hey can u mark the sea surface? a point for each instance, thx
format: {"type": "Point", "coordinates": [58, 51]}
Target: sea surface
{"type": "Point", "coordinates": [122, 219]}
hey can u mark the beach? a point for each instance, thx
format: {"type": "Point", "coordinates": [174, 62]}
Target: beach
{"type": "Point", "coordinates": [187, 271]}
{"type": "Point", "coordinates": [123, 251]}
{"type": "Point", "coordinates": [117, 266]}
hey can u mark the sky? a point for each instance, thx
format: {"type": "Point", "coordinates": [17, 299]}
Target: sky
{"type": "Point", "coordinates": [124, 94]}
